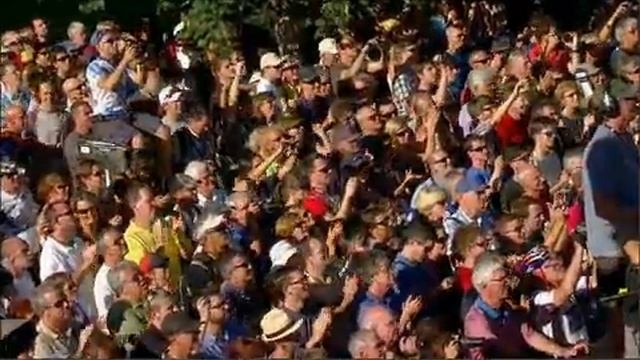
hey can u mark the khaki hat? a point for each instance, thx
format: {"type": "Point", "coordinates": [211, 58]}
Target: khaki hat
{"type": "Point", "coordinates": [270, 59]}
{"type": "Point", "coordinates": [328, 46]}
{"type": "Point", "coordinates": [276, 325]}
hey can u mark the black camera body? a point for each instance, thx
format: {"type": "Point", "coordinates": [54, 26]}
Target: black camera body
{"type": "Point", "coordinates": [112, 157]}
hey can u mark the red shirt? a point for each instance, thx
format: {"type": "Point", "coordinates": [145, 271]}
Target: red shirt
{"type": "Point", "coordinates": [463, 277]}
{"type": "Point", "coordinates": [511, 131]}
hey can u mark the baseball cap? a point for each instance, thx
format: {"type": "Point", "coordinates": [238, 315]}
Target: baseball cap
{"type": "Point", "coordinates": [179, 323]}
{"type": "Point", "coordinates": [328, 46]}
{"type": "Point", "coordinates": [169, 94]}
{"type": "Point", "coordinates": [152, 261]}
{"type": "Point", "coordinates": [466, 185]}
{"type": "Point", "coordinates": [269, 59]}
{"type": "Point", "coordinates": [308, 74]}
{"type": "Point", "coordinates": [281, 252]}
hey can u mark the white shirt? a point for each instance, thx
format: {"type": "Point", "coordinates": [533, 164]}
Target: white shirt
{"type": "Point", "coordinates": [265, 86]}
{"type": "Point", "coordinates": [56, 257]}
{"type": "Point", "coordinates": [20, 210]}
{"type": "Point", "coordinates": [104, 294]}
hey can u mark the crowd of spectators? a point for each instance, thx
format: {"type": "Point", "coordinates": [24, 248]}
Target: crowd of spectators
{"type": "Point", "coordinates": [464, 191]}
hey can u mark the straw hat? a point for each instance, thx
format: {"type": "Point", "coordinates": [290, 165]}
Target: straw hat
{"type": "Point", "coordinates": [276, 325]}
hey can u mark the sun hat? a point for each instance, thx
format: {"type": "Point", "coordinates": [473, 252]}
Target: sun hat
{"type": "Point", "coordinates": [276, 325]}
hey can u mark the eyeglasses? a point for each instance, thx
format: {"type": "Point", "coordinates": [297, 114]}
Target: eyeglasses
{"type": "Point", "coordinates": [61, 187]}
{"type": "Point", "coordinates": [346, 45]}
{"type": "Point", "coordinates": [242, 265]}
{"type": "Point", "coordinates": [571, 94]}
{"type": "Point", "coordinates": [441, 160]}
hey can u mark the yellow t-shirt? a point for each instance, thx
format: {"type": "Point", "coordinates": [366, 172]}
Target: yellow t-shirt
{"type": "Point", "coordinates": [141, 241]}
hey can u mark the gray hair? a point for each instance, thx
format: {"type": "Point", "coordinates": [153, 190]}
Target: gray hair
{"type": "Point", "coordinates": [196, 169]}
{"type": "Point", "coordinates": [102, 244]}
{"type": "Point", "coordinates": [160, 298]}
{"type": "Point", "coordinates": [115, 276]}
{"type": "Point", "coordinates": [487, 264]}
{"type": "Point", "coordinates": [577, 152]}
{"type": "Point", "coordinates": [360, 340]}
{"type": "Point", "coordinates": [480, 77]}
{"type": "Point", "coordinates": [623, 25]}
{"type": "Point", "coordinates": [370, 317]}
{"type": "Point", "coordinates": [226, 263]}
{"type": "Point", "coordinates": [515, 55]}
{"type": "Point", "coordinates": [73, 27]}
{"type": "Point", "coordinates": [39, 302]}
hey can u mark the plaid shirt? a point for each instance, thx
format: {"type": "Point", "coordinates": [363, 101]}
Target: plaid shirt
{"type": "Point", "coordinates": [22, 97]}
{"type": "Point", "coordinates": [403, 87]}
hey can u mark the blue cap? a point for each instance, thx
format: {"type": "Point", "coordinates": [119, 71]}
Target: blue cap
{"type": "Point", "coordinates": [469, 184]}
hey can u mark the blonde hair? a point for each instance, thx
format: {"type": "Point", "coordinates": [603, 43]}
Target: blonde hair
{"type": "Point", "coordinates": [257, 139]}
{"type": "Point", "coordinates": [428, 198]}
{"type": "Point", "coordinates": [563, 88]}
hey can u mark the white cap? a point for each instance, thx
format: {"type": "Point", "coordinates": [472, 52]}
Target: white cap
{"type": "Point", "coordinates": [169, 94]}
{"type": "Point", "coordinates": [281, 252]}
{"type": "Point", "coordinates": [269, 59]}
{"type": "Point", "coordinates": [328, 46]}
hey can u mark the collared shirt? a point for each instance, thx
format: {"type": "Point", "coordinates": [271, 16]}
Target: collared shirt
{"type": "Point", "coordinates": [106, 102]}
{"type": "Point", "coordinates": [104, 294]}
{"type": "Point", "coordinates": [611, 169]}
{"type": "Point", "coordinates": [51, 345]}
{"type": "Point", "coordinates": [403, 87]}
{"type": "Point", "coordinates": [20, 210]}
{"type": "Point", "coordinates": [57, 257]}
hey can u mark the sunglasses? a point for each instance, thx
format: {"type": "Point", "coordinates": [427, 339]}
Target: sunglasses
{"type": "Point", "coordinates": [478, 149]}
{"type": "Point", "coordinates": [441, 160]}
{"type": "Point", "coordinates": [62, 303]}
{"type": "Point", "coordinates": [85, 211]}
{"type": "Point", "coordinates": [62, 58]}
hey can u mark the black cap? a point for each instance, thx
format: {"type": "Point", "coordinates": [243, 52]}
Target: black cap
{"type": "Point", "coordinates": [309, 74]}
{"type": "Point", "coordinates": [179, 323]}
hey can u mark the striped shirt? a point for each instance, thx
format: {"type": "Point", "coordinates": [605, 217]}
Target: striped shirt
{"type": "Point", "coordinates": [112, 104]}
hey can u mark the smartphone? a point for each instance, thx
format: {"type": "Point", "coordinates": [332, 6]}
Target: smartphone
{"type": "Point", "coordinates": [582, 78]}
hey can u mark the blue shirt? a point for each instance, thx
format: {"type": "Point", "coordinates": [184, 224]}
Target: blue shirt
{"type": "Point", "coordinates": [109, 103]}
{"type": "Point", "coordinates": [215, 347]}
{"type": "Point", "coordinates": [411, 279]}
{"type": "Point", "coordinates": [612, 164]}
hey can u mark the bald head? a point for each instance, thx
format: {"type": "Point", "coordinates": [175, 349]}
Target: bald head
{"type": "Point", "coordinates": [373, 316]}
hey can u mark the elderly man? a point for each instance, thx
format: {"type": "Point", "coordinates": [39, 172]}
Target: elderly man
{"type": "Point", "coordinates": [384, 325]}
{"type": "Point", "coordinates": [152, 341]}
{"type": "Point", "coordinates": [472, 201]}
{"type": "Point", "coordinates": [480, 83]}
{"type": "Point", "coordinates": [11, 91]}
{"type": "Point", "coordinates": [503, 331]}
{"type": "Point", "coordinates": [365, 344]}
{"type": "Point", "coordinates": [16, 202]}
{"type": "Point", "coordinates": [111, 248]}
{"type": "Point", "coordinates": [211, 199]}
{"type": "Point", "coordinates": [56, 339]}
{"type": "Point", "coordinates": [61, 249]}
{"type": "Point", "coordinates": [627, 33]}
{"type": "Point", "coordinates": [127, 316]}
{"type": "Point", "coordinates": [17, 261]}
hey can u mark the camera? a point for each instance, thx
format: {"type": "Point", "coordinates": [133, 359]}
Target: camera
{"type": "Point", "coordinates": [582, 78]}
{"type": "Point", "coordinates": [112, 157]}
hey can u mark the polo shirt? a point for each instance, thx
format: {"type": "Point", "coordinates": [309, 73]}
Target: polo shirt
{"type": "Point", "coordinates": [57, 257]}
{"type": "Point", "coordinates": [51, 345]}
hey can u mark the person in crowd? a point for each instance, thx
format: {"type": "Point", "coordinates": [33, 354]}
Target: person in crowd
{"type": "Point", "coordinates": [55, 335]}
{"type": "Point", "coordinates": [111, 247]}
{"type": "Point", "coordinates": [501, 330]}
{"type": "Point", "coordinates": [255, 199]}
{"type": "Point", "coordinates": [17, 260]}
